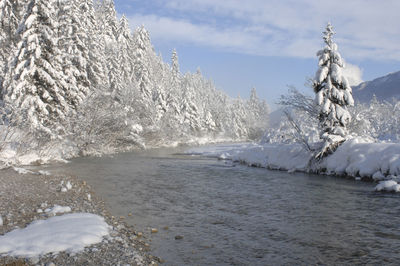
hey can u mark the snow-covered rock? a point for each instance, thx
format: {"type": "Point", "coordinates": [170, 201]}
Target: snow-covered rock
{"type": "Point", "coordinates": [389, 186]}
{"type": "Point", "coordinates": [58, 209]}
{"type": "Point", "coordinates": [68, 185]}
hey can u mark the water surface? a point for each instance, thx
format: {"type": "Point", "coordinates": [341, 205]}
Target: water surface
{"type": "Point", "coordinates": [236, 215]}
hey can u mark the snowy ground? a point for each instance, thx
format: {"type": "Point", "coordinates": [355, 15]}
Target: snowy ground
{"type": "Point", "coordinates": [356, 158]}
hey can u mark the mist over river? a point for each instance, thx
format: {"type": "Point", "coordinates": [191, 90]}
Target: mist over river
{"type": "Point", "coordinates": [229, 214]}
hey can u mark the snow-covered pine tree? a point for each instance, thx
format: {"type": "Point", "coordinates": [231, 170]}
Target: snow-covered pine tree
{"type": "Point", "coordinates": [188, 107]}
{"type": "Point", "coordinates": [174, 92]}
{"type": "Point", "coordinates": [142, 45]}
{"type": "Point", "coordinates": [257, 120]}
{"type": "Point", "coordinates": [9, 20]}
{"type": "Point", "coordinates": [183, 87]}
{"type": "Point", "coordinates": [125, 42]}
{"type": "Point", "coordinates": [238, 127]}
{"type": "Point", "coordinates": [161, 71]}
{"type": "Point", "coordinates": [333, 95]}
{"type": "Point", "coordinates": [108, 29]}
{"type": "Point", "coordinates": [115, 78]}
{"type": "Point", "coordinates": [175, 65]}
{"type": "Point", "coordinates": [74, 52]}
{"type": "Point", "coordinates": [37, 90]}
{"type": "Point", "coordinates": [107, 20]}
{"type": "Point", "coordinates": [92, 40]}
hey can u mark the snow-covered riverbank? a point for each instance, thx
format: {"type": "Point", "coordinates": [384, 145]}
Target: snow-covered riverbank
{"type": "Point", "coordinates": [355, 158]}
{"type": "Point", "coordinates": [56, 219]}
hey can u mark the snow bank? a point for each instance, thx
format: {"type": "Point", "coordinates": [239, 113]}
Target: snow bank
{"type": "Point", "coordinates": [291, 157]}
{"type": "Point", "coordinates": [389, 186]}
{"type": "Point", "coordinates": [69, 232]}
{"type": "Point", "coordinates": [356, 157]}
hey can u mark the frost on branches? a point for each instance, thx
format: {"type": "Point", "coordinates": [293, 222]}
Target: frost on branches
{"type": "Point", "coordinates": [37, 85]}
{"type": "Point", "coordinates": [333, 95]}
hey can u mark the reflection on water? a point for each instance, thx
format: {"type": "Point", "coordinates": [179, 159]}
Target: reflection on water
{"type": "Point", "coordinates": [234, 215]}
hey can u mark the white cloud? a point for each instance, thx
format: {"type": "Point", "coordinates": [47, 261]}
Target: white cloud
{"type": "Point", "coordinates": [173, 30]}
{"type": "Point", "coordinates": [365, 28]}
{"type": "Point", "coordinates": [353, 74]}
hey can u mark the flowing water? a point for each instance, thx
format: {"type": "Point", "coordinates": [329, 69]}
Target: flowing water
{"type": "Point", "coordinates": [236, 215]}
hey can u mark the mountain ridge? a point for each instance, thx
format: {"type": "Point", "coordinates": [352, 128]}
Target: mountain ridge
{"type": "Point", "coordinates": [384, 88]}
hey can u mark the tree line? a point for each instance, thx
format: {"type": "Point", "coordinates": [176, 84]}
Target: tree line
{"type": "Point", "coordinates": [72, 71]}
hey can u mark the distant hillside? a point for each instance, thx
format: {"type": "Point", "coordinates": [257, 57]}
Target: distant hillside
{"type": "Point", "coordinates": [385, 88]}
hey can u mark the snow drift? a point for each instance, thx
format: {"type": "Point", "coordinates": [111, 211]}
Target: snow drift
{"type": "Point", "coordinates": [356, 158]}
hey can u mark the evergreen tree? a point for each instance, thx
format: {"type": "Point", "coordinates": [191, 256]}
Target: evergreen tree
{"type": "Point", "coordinates": [74, 52]}
{"type": "Point", "coordinates": [188, 106]}
{"type": "Point", "coordinates": [37, 89]}
{"type": "Point", "coordinates": [142, 65]}
{"type": "Point", "coordinates": [257, 120]}
{"type": "Point", "coordinates": [238, 127]}
{"type": "Point", "coordinates": [175, 66]}
{"type": "Point", "coordinates": [125, 42]}
{"type": "Point", "coordinates": [9, 19]}
{"type": "Point", "coordinates": [333, 95]}
{"type": "Point", "coordinates": [107, 20]}
{"type": "Point", "coordinates": [96, 66]}
{"type": "Point", "coordinates": [160, 93]}
{"type": "Point", "coordinates": [174, 93]}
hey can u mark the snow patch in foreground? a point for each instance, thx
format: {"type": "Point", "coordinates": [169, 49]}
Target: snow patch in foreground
{"type": "Point", "coordinates": [69, 232]}
{"type": "Point", "coordinates": [389, 186]}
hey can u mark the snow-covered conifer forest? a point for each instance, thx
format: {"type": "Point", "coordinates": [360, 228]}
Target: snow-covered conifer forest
{"type": "Point", "coordinates": [76, 81]}
{"type": "Point", "coordinates": [75, 78]}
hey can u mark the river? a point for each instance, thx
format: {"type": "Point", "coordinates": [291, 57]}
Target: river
{"type": "Point", "coordinates": [229, 214]}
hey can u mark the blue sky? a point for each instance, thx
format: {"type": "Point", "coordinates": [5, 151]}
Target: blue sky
{"type": "Point", "coordinates": [269, 44]}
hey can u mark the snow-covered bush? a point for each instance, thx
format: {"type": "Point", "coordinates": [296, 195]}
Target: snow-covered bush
{"type": "Point", "coordinates": [378, 120]}
{"type": "Point", "coordinates": [299, 123]}
{"type": "Point", "coordinates": [103, 125]}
